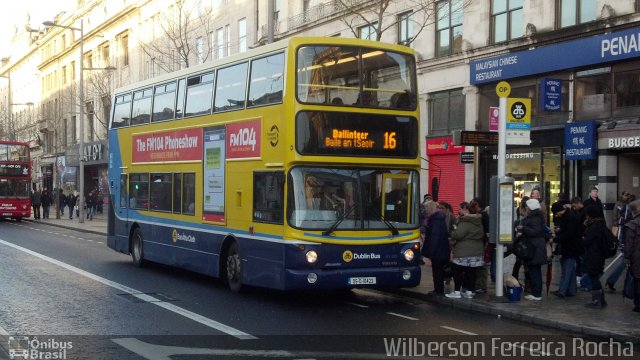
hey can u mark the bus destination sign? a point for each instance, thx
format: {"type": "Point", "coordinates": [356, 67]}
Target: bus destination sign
{"type": "Point", "coordinates": [356, 135]}
{"type": "Point", "coordinates": [14, 170]}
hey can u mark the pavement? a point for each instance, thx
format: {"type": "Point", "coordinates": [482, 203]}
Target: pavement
{"type": "Point", "coordinates": [617, 321]}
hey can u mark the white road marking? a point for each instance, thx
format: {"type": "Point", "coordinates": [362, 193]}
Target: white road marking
{"type": "Point", "coordinates": [458, 330]}
{"type": "Point", "coordinates": [356, 304]}
{"type": "Point", "coordinates": [138, 294]}
{"type": "Point", "coordinates": [163, 352]}
{"type": "Point", "coordinates": [402, 316]}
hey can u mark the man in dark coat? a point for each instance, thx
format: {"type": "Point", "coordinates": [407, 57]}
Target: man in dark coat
{"type": "Point", "coordinates": [593, 260]}
{"type": "Point", "coordinates": [632, 250]}
{"type": "Point", "coordinates": [594, 200]}
{"type": "Point", "coordinates": [533, 229]}
{"type": "Point", "coordinates": [569, 239]}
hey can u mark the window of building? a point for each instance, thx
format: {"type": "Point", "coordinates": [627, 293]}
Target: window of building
{"type": "Point", "coordinates": [64, 75]}
{"type": "Point", "coordinates": [141, 108]}
{"type": "Point", "coordinates": [276, 11]}
{"type": "Point", "coordinates": [227, 31]}
{"type": "Point", "coordinates": [65, 130]}
{"type": "Point", "coordinates": [124, 49]}
{"type": "Point", "coordinates": [199, 94]}
{"type": "Point", "coordinates": [506, 20]}
{"type": "Point", "coordinates": [91, 121]}
{"type": "Point", "coordinates": [266, 84]}
{"type": "Point", "coordinates": [161, 191]}
{"type": "Point", "coordinates": [449, 27]}
{"type": "Point", "coordinates": [231, 86]}
{"type": "Point", "coordinates": [268, 197]}
{"type": "Point", "coordinates": [74, 137]}
{"type": "Point", "coordinates": [200, 50]}
{"type": "Point", "coordinates": [242, 35]}
{"type": "Point", "coordinates": [593, 94]}
{"type": "Point", "coordinates": [405, 28]}
{"type": "Point", "coordinates": [446, 112]}
{"type": "Point", "coordinates": [106, 108]}
{"type": "Point", "coordinates": [368, 32]}
{"type": "Point", "coordinates": [627, 92]}
{"type": "Point", "coordinates": [164, 99]}
{"type": "Point", "coordinates": [220, 43]}
{"type": "Point", "coordinates": [106, 55]}
{"type": "Point", "coordinates": [139, 191]}
{"type": "Point", "coordinates": [574, 12]}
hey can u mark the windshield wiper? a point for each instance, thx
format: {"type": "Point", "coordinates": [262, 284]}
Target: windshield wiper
{"type": "Point", "coordinates": [340, 218]}
{"type": "Point", "coordinates": [393, 228]}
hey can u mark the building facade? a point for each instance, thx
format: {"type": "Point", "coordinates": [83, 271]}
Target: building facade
{"type": "Point", "coordinates": [577, 60]}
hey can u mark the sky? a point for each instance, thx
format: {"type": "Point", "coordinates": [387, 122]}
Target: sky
{"type": "Point", "coordinates": [14, 13]}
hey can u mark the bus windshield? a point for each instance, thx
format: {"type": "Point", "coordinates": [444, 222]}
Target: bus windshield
{"type": "Point", "coordinates": [351, 76]}
{"type": "Point", "coordinates": [352, 199]}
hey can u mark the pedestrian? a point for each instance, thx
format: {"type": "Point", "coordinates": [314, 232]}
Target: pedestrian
{"type": "Point", "coordinates": [532, 227]}
{"type": "Point", "coordinates": [577, 208]}
{"type": "Point", "coordinates": [623, 215]}
{"type": "Point", "coordinates": [521, 213]}
{"type": "Point", "coordinates": [46, 203]}
{"type": "Point", "coordinates": [468, 251]}
{"type": "Point", "coordinates": [593, 260]}
{"type": "Point", "coordinates": [569, 240]}
{"type": "Point", "coordinates": [71, 203]}
{"type": "Point", "coordinates": [436, 245]}
{"type": "Point", "coordinates": [62, 201]}
{"type": "Point", "coordinates": [632, 250]}
{"type": "Point", "coordinates": [36, 202]}
{"type": "Point", "coordinates": [536, 193]}
{"type": "Point", "coordinates": [91, 203]}
{"type": "Point", "coordinates": [594, 200]}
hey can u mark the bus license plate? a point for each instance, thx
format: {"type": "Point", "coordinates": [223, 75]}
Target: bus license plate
{"type": "Point", "coordinates": [362, 281]}
{"type": "Point", "coordinates": [7, 214]}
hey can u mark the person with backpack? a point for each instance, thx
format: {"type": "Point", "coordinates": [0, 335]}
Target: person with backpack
{"type": "Point", "coordinates": [632, 250]}
{"type": "Point", "coordinates": [593, 265]}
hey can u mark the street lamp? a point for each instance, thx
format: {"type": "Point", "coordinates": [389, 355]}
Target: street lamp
{"type": "Point", "coordinates": [81, 100]}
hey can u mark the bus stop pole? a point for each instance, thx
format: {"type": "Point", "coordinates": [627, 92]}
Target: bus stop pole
{"type": "Point", "coordinates": [502, 155]}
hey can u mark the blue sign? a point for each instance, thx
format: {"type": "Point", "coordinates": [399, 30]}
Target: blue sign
{"type": "Point", "coordinates": [580, 140]}
{"type": "Point", "coordinates": [576, 53]}
{"type": "Point", "coordinates": [551, 95]}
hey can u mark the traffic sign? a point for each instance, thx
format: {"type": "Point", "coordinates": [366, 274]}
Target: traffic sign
{"type": "Point", "coordinates": [503, 89]}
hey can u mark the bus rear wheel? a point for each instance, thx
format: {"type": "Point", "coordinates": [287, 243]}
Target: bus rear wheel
{"type": "Point", "coordinates": [137, 253]}
{"type": "Point", "coordinates": [233, 268]}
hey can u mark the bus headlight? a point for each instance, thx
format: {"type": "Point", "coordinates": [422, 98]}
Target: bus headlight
{"type": "Point", "coordinates": [408, 254]}
{"type": "Point", "coordinates": [312, 256]}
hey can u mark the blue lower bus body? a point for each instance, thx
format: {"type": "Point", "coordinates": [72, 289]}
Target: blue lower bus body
{"type": "Point", "coordinates": [269, 261]}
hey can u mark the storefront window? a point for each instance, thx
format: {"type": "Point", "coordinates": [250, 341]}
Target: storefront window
{"type": "Point", "coordinates": [627, 92]}
{"type": "Point", "coordinates": [593, 94]}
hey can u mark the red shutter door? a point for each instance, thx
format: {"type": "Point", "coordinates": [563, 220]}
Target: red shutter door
{"type": "Point", "coordinates": [451, 173]}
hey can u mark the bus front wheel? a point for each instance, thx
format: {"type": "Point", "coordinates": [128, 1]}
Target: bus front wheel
{"type": "Point", "coordinates": [233, 268]}
{"type": "Point", "coordinates": [136, 248]}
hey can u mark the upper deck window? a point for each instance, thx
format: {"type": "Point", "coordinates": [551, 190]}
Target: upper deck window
{"type": "Point", "coordinates": [141, 110]}
{"type": "Point", "coordinates": [199, 94]}
{"type": "Point", "coordinates": [355, 76]}
{"type": "Point", "coordinates": [164, 99]}
{"type": "Point", "coordinates": [267, 81]}
{"type": "Point", "coordinates": [121, 111]}
{"type": "Point", "coordinates": [231, 88]}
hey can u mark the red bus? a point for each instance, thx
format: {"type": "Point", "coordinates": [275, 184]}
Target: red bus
{"type": "Point", "coordinates": [15, 178]}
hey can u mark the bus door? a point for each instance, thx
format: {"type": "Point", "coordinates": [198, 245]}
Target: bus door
{"type": "Point", "coordinates": [121, 226]}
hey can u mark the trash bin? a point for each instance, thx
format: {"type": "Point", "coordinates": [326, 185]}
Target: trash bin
{"type": "Point", "coordinates": [514, 293]}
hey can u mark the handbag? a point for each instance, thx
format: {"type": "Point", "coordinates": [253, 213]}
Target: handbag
{"type": "Point", "coordinates": [629, 287]}
{"type": "Point", "coordinates": [523, 248]}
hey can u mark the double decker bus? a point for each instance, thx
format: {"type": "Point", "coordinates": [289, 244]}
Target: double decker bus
{"type": "Point", "coordinates": [290, 166]}
{"type": "Point", "coordinates": [15, 178]}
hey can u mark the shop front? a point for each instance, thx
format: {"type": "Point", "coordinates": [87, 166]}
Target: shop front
{"type": "Point", "coordinates": [600, 86]}
{"type": "Point", "coordinates": [446, 172]}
